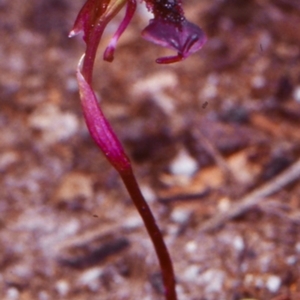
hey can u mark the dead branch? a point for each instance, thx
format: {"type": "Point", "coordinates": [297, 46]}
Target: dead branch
{"type": "Point", "coordinates": [255, 197]}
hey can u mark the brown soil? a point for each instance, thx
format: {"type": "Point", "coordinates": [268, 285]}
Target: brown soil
{"type": "Point", "coordinates": [208, 138]}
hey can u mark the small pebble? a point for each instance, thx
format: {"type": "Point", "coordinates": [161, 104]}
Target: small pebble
{"type": "Point", "coordinates": [273, 283]}
{"type": "Point", "coordinates": [298, 247]}
{"type": "Point", "coordinates": [54, 124]}
{"type": "Point", "coordinates": [184, 164]}
{"type": "Point", "coordinates": [90, 278]}
{"type": "Point", "coordinates": [71, 84]}
{"type": "Point", "coordinates": [224, 204]}
{"type": "Point", "coordinates": [296, 94]}
{"type": "Point", "coordinates": [210, 89]}
{"type": "Point", "coordinates": [258, 82]}
{"type": "Point", "coordinates": [74, 185]}
{"type": "Point", "coordinates": [191, 273]}
{"type": "Point", "coordinates": [291, 260]}
{"type": "Point", "coordinates": [180, 215]}
{"type": "Point", "coordinates": [238, 243]}
{"type": "Point", "coordinates": [12, 294]}
{"type": "Point", "coordinates": [148, 193]}
{"type": "Point", "coordinates": [191, 247]}
{"type": "Point", "coordinates": [62, 287]}
{"type": "Point", "coordinates": [212, 279]}
{"type": "Point", "coordinates": [155, 83]}
{"type": "Point", "coordinates": [43, 296]}
{"type": "Point", "coordinates": [132, 222]}
{"type": "Point", "coordinates": [7, 159]}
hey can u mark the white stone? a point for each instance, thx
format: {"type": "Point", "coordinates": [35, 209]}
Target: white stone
{"type": "Point", "coordinates": [181, 294]}
{"type": "Point", "coordinates": [180, 215]}
{"type": "Point", "coordinates": [183, 164]}
{"type": "Point", "coordinates": [7, 159]}
{"type": "Point", "coordinates": [148, 193]}
{"type": "Point", "coordinates": [291, 260]}
{"type": "Point", "coordinates": [238, 243]}
{"type": "Point", "coordinates": [210, 89]}
{"type": "Point", "coordinates": [258, 82]}
{"type": "Point", "coordinates": [212, 280]}
{"type": "Point", "coordinates": [22, 269]}
{"type": "Point", "coordinates": [165, 102]}
{"type": "Point", "coordinates": [12, 294]}
{"type": "Point", "coordinates": [190, 247]}
{"type": "Point", "coordinates": [296, 94]}
{"type": "Point", "coordinates": [90, 278]}
{"type": "Point", "coordinates": [53, 123]}
{"type": "Point", "coordinates": [155, 83]}
{"type": "Point", "coordinates": [298, 247]}
{"type": "Point", "coordinates": [62, 287]}
{"type": "Point", "coordinates": [43, 295]}
{"type": "Point", "coordinates": [155, 86]}
{"type": "Point", "coordinates": [273, 283]}
{"type": "Point", "coordinates": [71, 84]}
{"type": "Point", "coordinates": [224, 204]}
{"type": "Point", "coordinates": [191, 273]}
{"type": "Point", "coordinates": [71, 227]}
{"type": "Point", "coordinates": [132, 222]}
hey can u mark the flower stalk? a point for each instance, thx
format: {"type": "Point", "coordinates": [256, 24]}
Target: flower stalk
{"type": "Point", "coordinates": [109, 144]}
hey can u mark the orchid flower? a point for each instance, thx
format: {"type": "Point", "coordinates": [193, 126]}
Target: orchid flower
{"type": "Point", "coordinates": [168, 28]}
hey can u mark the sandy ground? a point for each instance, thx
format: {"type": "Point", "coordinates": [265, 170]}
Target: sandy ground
{"type": "Point", "coordinates": [214, 140]}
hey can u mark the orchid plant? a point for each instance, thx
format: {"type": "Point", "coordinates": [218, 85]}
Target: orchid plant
{"type": "Point", "coordinates": [168, 28]}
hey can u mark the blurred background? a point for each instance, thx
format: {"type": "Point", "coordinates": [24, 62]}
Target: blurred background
{"type": "Point", "coordinates": [214, 141]}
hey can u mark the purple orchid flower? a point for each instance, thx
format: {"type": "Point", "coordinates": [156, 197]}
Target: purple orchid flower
{"type": "Point", "coordinates": [168, 28]}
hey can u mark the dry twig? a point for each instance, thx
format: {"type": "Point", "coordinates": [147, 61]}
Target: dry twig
{"type": "Point", "coordinates": [255, 197]}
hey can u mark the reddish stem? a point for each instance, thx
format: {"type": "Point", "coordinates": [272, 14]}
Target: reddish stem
{"type": "Point", "coordinates": [131, 183]}
{"type": "Point", "coordinates": [154, 232]}
{"type": "Point", "coordinates": [91, 51]}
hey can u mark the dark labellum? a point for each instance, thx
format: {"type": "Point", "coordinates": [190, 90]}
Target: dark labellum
{"type": "Point", "coordinates": [167, 10]}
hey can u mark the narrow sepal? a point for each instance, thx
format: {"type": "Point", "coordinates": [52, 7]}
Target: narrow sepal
{"type": "Point", "coordinates": [110, 50]}
{"type": "Point", "coordinates": [95, 13]}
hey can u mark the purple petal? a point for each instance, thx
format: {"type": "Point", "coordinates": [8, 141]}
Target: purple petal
{"type": "Point", "coordinates": [186, 38]}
